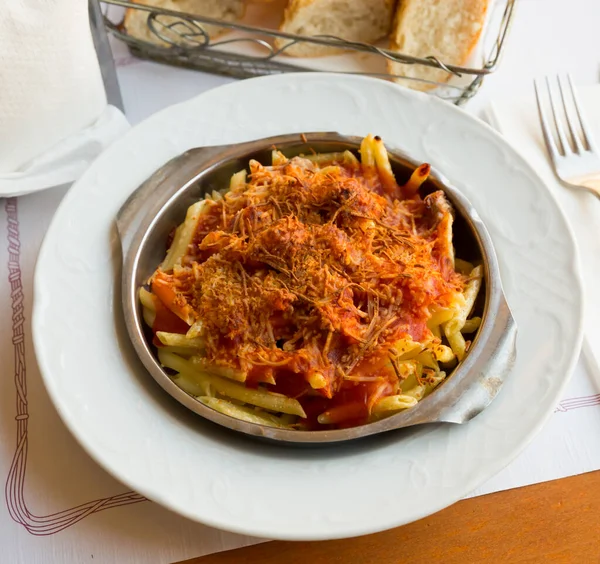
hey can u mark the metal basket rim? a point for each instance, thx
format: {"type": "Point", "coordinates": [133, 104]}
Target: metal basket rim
{"type": "Point", "coordinates": [487, 68]}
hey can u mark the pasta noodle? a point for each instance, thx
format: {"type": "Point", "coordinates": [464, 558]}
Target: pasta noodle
{"type": "Point", "coordinates": [315, 293]}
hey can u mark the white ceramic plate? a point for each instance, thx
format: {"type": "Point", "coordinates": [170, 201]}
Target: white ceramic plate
{"type": "Point", "coordinates": [147, 440]}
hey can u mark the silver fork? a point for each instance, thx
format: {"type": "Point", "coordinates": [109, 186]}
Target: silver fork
{"type": "Point", "coordinates": [574, 154]}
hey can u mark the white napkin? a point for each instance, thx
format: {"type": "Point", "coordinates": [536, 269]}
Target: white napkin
{"type": "Point", "coordinates": [54, 117]}
{"type": "Point", "coordinates": [517, 120]}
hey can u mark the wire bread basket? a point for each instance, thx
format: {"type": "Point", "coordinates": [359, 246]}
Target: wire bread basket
{"type": "Point", "coordinates": [246, 50]}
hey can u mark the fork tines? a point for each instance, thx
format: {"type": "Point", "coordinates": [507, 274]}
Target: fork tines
{"type": "Point", "coordinates": [560, 143]}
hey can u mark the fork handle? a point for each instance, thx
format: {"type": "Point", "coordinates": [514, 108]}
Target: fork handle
{"type": "Point", "coordinates": [589, 183]}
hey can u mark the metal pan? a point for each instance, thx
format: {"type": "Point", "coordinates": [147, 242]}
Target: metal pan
{"type": "Point", "coordinates": [160, 204]}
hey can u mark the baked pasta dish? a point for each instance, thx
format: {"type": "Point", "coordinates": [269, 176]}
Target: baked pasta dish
{"type": "Point", "coordinates": [313, 293]}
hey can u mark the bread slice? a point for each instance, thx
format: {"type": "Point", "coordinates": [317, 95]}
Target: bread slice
{"type": "Point", "coordinates": [447, 30]}
{"type": "Point", "coordinates": [136, 20]}
{"type": "Point", "coordinates": [356, 20]}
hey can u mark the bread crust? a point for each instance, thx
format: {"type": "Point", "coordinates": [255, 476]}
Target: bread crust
{"type": "Point", "coordinates": [472, 26]}
{"type": "Point", "coordinates": [134, 18]}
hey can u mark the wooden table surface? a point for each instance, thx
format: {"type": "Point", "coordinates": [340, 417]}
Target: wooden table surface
{"type": "Point", "coordinates": [557, 522]}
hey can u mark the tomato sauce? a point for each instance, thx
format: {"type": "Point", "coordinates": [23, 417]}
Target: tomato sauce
{"type": "Point", "coordinates": [166, 321]}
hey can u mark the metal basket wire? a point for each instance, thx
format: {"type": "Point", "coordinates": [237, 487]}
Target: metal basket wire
{"type": "Point", "coordinates": [185, 43]}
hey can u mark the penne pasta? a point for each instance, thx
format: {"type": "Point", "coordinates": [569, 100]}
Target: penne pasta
{"type": "Point", "coordinates": [427, 359]}
{"type": "Point", "coordinates": [433, 381]}
{"type": "Point", "coordinates": [195, 330]}
{"type": "Point", "coordinates": [367, 156]}
{"type": "Point", "coordinates": [440, 316]}
{"type": "Point", "coordinates": [442, 353]}
{"type": "Point", "coordinates": [192, 386]}
{"type": "Point", "coordinates": [183, 235]}
{"type": "Point", "coordinates": [147, 300]}
{"type": "Point", "coordinates": [417, 178]}
{"type": "Point", "coordinates": [148, 306]}
{"type": "Point", "coordinates": [328, 158]}
{"type": "Point", "coordinates": [406, 348]}
{"type": "Point", "coordinates": [238, 181]}
{"type": "Point", "coordinates": [177, 340]}
{"type": "Point", "coordinates": [278, 158]}
{"type": "Point", "coordinates": [417, 392]}
{"type": "Point", "coordinates": [186, 352]}
{"type": "Point", "coordinates": [384, 168]}
{"type": "Point", "coordinates": [258, 397]}
{"type": "Point", "coordinates": [149, 316]}
{"type": "Point", "coordinates": [471, 325]}
{"type": "Point", "coordinates": [453, 328]}
{"type": "Point", "coordinates": [394, 403]}
{"type": "Point", "coordinates": [245, 413]}
{"type": "Point", "coordinates": [463, 266]}
{"type": "Point", "coordinates": [351, 160]}
{"type": "Point", "coordinates": [457, 343]}
{"type": "Point", "coordinates": [202, 365]}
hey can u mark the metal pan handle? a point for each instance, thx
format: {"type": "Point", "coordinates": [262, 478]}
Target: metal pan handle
{"type": "Point", "coordinates": [161, 186]}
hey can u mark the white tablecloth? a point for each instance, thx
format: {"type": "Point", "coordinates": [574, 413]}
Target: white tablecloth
{"type": "Point", "coordinates": [64, 508]}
